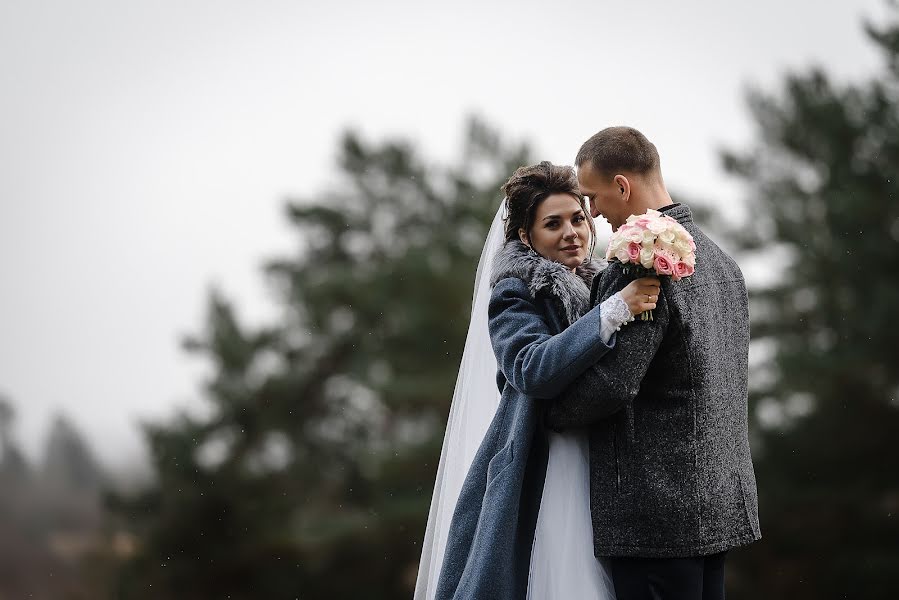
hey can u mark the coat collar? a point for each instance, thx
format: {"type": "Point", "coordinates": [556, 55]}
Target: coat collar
{"type": "Point", "coordinates": [679, 212]}
{"type": "Point", "coordinates": [542, 275]}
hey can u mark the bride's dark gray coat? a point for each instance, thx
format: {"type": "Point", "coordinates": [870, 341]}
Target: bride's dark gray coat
{"type": "Point", "coordinates": [540, 347]}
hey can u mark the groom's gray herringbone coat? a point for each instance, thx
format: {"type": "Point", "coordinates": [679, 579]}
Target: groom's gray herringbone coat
{"type": "Point", "coordinates": [538, 354]}
{"type": "Point", "coordinates": [671, 471]}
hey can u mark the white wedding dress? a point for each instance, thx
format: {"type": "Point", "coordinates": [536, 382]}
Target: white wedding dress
{"type": "Point", "coordinates": [563, 566]}
{"type": "Point", "coordinates": [562, 561]}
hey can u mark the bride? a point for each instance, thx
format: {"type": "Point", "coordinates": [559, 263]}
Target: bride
{"type": "Point", "coordinates": [510, 514]}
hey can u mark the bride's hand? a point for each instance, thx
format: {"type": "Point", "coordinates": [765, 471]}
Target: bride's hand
{"type": "Point", "coordinates": [641, 294]}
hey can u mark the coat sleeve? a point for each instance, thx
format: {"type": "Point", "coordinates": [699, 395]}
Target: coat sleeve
{"type": "Point", "coordinates": [609, 385]}
{"type": "Point", "coordinates": [534, 361]}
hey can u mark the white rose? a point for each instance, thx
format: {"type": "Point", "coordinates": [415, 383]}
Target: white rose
{"type": "Point", "coordinates": [657, 226]}
{"type": "Point", "coordinates": [682, 247]}
{"type": "Point", "coordinates": [617, 242]}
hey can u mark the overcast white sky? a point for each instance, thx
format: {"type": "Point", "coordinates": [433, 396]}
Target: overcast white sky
{"type": "Point", "coordinates": [146, 148]}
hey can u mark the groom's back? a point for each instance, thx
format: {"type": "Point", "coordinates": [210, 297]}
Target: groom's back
{"type": "Point", "coordinates": [671, 471]}
{"type": "Point", "coordinates": [703, 368]}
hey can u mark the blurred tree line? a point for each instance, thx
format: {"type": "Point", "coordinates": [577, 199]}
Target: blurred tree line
{"type": "Point", "coordinates": [311, 476]}
{"type": "Point", "coordinates": [824, 210]}
{"type": "Point", "coordinates": [52, 539]}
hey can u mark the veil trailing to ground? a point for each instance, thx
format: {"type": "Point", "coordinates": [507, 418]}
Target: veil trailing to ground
{"type": "Point", "coordinates": [475, 401]}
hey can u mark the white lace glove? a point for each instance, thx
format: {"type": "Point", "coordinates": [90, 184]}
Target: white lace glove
{"type": "Point", "coordinates": [613, 313]}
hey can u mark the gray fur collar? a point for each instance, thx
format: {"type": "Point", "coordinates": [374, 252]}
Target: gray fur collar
{"type": "Point", "coordinates": [572, 290]}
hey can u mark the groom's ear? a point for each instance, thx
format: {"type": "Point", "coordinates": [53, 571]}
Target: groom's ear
{"type": "Point", "coordinates": [623, 185]}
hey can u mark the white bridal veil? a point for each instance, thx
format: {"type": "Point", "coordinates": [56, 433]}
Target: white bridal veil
{"type": "Point", "coordinates": [475, 401]}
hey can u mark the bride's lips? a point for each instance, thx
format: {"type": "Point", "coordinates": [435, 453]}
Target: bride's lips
{"type": "Point", "coordinates": [571, 249]}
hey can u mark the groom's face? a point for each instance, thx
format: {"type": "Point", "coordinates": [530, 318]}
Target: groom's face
{"type": "Point", "coordinates": [605, 197]}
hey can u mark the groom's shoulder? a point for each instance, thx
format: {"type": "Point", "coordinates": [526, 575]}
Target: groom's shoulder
{"type": "Point", "coordinates": [712, 261]}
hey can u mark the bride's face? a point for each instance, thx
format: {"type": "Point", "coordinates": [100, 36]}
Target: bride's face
{"type": "Point", "coordinates": [560, 231]}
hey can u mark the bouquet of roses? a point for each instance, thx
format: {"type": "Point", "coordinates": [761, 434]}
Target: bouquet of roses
{"type": "Point", "coordinates": [653, 244]}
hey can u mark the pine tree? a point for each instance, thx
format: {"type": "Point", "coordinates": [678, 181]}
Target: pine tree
{"type": "Point", "coordinates": [824, 175]}
{"type": "Point", "coordinates": [69, 463]}
{"type": "Point", "coordinates": [14, 471]}
{"type": "Point", "coordinates": [312, 477]}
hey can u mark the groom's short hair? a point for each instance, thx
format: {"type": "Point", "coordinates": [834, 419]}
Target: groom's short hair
{"type": "Point", "coordinates": [617, 150]}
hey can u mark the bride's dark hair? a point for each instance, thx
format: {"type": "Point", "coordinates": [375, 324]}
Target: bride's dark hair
{"type": "Point", "coordinates": [529, 186]}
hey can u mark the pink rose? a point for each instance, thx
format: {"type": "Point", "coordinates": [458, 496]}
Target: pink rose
{"type": "Point", "coordinates": [662, 264]}
{"type": "Point", "coordinates": [682, 269]}
{"type": "Point", "coordinates": [633, 252]}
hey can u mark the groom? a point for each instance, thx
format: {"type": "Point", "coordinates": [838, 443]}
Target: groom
{"type": "Point", "coordinates": [672, 483]}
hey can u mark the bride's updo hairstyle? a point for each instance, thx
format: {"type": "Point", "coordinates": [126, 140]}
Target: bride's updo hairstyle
{"type": "Point", "coordinates": [529, 186]}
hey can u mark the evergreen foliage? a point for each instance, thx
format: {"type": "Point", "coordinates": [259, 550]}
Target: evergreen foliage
{"type": "Point", "coordinates": [312, 476]}
{"type": "Point", "coordinates": [824, 175]}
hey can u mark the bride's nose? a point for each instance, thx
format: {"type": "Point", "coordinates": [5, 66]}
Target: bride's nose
{"type": "Point", "coordinates": [570, 232]}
